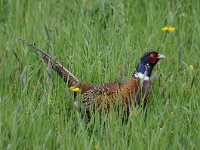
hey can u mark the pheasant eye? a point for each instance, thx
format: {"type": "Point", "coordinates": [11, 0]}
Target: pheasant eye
{"type": "Point", "coordinates": [152, 58]}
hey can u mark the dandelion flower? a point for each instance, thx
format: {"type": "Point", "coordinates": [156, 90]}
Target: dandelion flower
{"type": "Point", "coordinates": [168, 28]}
{"type": "Point", "coordinates": [191, 67]}
{"type": "Point", "coordinates": [75, 89]}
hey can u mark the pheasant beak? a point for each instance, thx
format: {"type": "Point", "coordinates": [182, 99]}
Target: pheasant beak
{"type": "Point", "coordinates": [160, 56]}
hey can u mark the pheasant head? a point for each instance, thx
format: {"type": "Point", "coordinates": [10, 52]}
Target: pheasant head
{"type": "Point", "coordinates": [146, 64]}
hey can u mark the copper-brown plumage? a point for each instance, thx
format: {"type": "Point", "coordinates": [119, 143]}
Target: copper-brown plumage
{"type": "Point", "coordinates": [102, 96]}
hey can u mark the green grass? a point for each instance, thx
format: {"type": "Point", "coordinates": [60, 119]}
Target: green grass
{"type": "Point", "coordinates": [94, 39]}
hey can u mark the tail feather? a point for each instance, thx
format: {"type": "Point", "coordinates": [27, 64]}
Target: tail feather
{"type": "Point", "coordinates": [67, 76]}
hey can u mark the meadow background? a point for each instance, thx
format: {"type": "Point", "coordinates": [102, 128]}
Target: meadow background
{"type": "Point", "coordinates": [94, 39]}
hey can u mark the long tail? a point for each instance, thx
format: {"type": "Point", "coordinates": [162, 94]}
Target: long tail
{"type": "Point", "coordinates": [67, 76]}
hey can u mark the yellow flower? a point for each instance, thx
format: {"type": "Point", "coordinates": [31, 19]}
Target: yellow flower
{"type": "Point", "coordinates": [168, 28]}
{"type": "Point", "coordinates": [191, 67]}
{"type": "Point", "coordinates": [75, 89]}
{"type": "Point", "coordinates": [97, 146]}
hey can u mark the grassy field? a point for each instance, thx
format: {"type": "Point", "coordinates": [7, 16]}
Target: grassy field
{"type": "Point", "coordinates": [94, 39]}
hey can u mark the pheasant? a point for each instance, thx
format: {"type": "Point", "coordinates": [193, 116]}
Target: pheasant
{"type": "Point", "coordinates": [102, 96]}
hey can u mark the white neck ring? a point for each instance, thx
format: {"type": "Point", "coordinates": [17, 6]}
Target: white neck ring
{"type": "Point", "coordinates": [141, 76]}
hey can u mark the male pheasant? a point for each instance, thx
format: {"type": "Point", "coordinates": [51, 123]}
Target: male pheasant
{"type": "Point", "coordinates": [101, 96]}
